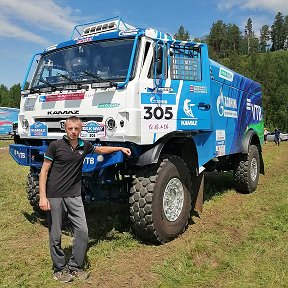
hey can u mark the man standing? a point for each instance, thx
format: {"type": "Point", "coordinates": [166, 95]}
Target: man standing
{"type": "Point", "coordinates": [60, 192]}
{"type": "Point", "coordinates": [277, 137]}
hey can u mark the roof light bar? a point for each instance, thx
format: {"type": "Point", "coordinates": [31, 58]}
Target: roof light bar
{"type": "Point", "coordinates": [104, 27]}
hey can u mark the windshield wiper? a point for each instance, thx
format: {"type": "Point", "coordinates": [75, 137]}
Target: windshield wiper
{"type": "Point", "coordinates": [48, 83]}
{"type": "Point", "coordinates": [70, 80]}
{"type": "Point", "coordinates": [99, 79]}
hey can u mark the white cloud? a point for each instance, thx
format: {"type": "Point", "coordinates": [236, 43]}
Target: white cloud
{"type": "Point", "coordinates": [11, 31]}
{"type": "Point", "coordinates": [31, 17]}
{"type": "Point", "coordinates": [269, 5]}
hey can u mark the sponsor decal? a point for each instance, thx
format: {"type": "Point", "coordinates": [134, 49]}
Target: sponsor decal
{"type": "Point", "coordinates": [108, 105]}
{"type": "Point", "coordinates": [89, 160]}
{"type": "Point", "coordinates": [20, 155]}
{"type": "Point", "coordinates": [128, 32]}
{"type": "Point", "coordinates": [38, 129]}
{"type": "Point", "coordinates": [158, 98]}
{"type": "Point", "coordinates": [198, 89]}
{"type": "Point", "coordinates": [220, 150]}
{"type": "Point", "coordinates": [187, 108]}
{"type": "Point", "coordinates": [166, 89]}
{"type": "Point", "coordinates": [226, 106]}
{"type": "Point", "coordinates": [189, 122]}
{"type": "Point", "coordinates": [256, 110]}
{"type": "Point", "coordinates": [62, 97]}
{"type": "Point", "coordinates": [226, 74]}
{"type": "Point", "coordinates": [220, 142]}
{"type": "Point", "coordinates": [51, 47]}
{"type": "Point", "coordinates": [69, 112]}
{"type": "Point", "coordinates": [158, 127]}
{"type": "Point", "coordinates": [84, 40]}
{"type": "Point", "coordinates": [42, 98]}
{"type": "Point", "coordinates": [29, 104]}
{"type": "Point", "coordinates": [93, 129]}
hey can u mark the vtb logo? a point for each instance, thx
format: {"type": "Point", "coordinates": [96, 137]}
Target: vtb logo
{"type": "Point", "coordinates": [256, 110]}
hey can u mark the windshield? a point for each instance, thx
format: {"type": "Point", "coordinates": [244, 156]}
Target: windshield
{"type": "Point", "coordinates": [97, 61]}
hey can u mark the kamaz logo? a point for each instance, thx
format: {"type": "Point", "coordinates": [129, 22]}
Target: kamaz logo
{"type": "Point", "coordinates": [70, 112]}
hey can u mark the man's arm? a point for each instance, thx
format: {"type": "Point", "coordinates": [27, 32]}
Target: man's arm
{"type": "Point", "coordinates": [110, 149]}
{"type": "Point", "coordinates": [44, 203]}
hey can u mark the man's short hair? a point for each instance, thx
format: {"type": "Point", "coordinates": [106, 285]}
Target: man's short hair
{"type": "Point", "coordinates": [73, 119]}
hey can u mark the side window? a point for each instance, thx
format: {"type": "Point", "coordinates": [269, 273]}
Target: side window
{"type": "Point", "coordinates": [158, 65]}
{"type": "Point", "coordinates": [185, 63]}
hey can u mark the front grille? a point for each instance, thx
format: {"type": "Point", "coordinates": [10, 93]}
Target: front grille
{"type": "Point", "coordinates": [54, 125]}
{"type": "Point", "coordinates": [84, 119]}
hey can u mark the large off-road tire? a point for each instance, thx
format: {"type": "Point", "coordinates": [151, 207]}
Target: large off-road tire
{"type": "Point", "coordinates": [160, 201]}
{"type": "Point", "coordinates": [246, 171]}
{"type": "Point", "coordinates": [32, 189]}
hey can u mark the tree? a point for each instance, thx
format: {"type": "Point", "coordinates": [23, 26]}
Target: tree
{"type": "Point", "coordinates": [4, 96]}
{"type": "Point", "coordinates": [217, 37]}
{"type": "Point", "coordinates": [286, 31]}
{"type": "Point", "coordinates": [251, 40]}
{"type": "Point", "coordinates": [278, 33]}
{"type": "Point", "coordinates": [15, 95]}
{"type": "Point", "coordinates": [233, 38]}
{"type": "Point", "coordinates": [264, 37]}
{"type": "Point", "coordinates": [182, 34]}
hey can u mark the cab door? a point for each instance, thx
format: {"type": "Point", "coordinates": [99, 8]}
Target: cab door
{"type": "Point", "coordinates": [190, 77]}
{"type": "Point", "coordinates": [157, 99]}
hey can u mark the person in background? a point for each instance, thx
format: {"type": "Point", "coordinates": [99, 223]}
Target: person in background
{"type": "Point", "coordinates": [265, 135]}
{"type": "Point", "coordinates": [277, 136]}
{"type": "Point", "coordinates": [60, 192]}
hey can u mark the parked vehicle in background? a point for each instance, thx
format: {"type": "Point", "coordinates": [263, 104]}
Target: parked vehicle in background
{"type": "Point", "coordinates": [8, 120]}
{"type": "Point", "coordinates": [271, 136]}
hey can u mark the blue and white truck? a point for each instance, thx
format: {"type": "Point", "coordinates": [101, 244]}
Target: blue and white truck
{"type": "Point", "coordinates": [180, 113]}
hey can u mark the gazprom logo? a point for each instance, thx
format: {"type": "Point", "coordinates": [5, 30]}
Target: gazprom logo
{"type": "Point", "coordinates": [226, 74]}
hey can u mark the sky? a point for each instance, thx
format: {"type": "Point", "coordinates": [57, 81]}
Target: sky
{"type": "Point", "coordinates": [29, 26]}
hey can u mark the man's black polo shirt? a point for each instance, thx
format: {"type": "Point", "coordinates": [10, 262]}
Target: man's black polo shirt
{"type": "Point", "coordinates": [64, 179]}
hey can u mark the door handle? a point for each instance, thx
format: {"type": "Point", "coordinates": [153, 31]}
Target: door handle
{"type": "Point", "coordinates": [204, 106]}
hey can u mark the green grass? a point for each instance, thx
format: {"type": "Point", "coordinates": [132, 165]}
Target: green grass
{"type": "Point", "coordinates": [238, 240]}
{"type": "Point", "coordinates": [5, 142]}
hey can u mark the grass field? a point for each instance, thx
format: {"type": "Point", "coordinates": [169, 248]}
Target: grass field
{"type": "Point", "coordinates": [238, 240]}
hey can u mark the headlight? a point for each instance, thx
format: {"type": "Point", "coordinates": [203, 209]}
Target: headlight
{"type": "Point", "coordinates": [110, 124]}
{"type": "Point", "coordinates": [25, 124]}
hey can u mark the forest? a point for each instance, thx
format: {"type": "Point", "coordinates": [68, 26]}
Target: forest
{"type": "Point", "coordinates": [263, 58]}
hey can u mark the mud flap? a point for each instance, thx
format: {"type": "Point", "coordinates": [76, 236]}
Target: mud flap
{"type": "Point", "coordinates": [197, 196]}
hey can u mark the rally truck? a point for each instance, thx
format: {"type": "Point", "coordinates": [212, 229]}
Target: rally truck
{"type": "Point", "coordinates": [179, 112]}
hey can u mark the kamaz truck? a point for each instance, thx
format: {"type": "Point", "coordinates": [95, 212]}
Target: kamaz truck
{"type": "Point", "coordinates": [179, 112]}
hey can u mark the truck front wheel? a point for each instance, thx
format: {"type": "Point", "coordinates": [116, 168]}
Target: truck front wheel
{"type": "Point", "coordinates": [246, 171]}
{"type": "Point", "coordinates": [32, 189]}
{"type": "Point", "coordinates": [160, 201]}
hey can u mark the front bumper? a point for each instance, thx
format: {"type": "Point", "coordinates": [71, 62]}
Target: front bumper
{"type": "Point", "coordinates": [33, 156]}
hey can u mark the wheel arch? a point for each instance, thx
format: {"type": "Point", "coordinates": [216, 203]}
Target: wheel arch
{"type": "Point", "coordinates": [178, 144]}
{"type": "Point", "coordinates": [252, 138]}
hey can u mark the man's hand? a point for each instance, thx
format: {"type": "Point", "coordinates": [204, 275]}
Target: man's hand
{"type": "Point", "coordinates": [44, 204]}
{"type": "Point", "coordinates": [126, 151]}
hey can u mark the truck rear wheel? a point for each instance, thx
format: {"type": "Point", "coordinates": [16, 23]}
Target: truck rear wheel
{"type": "Point", "coordinates": [160, 201]}
{"type": "Point", "coordinates": [32, 189]}
{"type": "Point", "coordinates": [246, 171]}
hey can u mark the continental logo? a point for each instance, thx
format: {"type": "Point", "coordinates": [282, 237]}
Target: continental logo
{"type": "Point", "coordinates": [69, 112]}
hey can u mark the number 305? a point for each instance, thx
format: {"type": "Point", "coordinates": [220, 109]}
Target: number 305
{"type": "Point", "coordinates": [158, 113]}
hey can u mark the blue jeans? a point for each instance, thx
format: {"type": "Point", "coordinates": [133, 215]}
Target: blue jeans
{"type": "Point", "coordinates": [73, 206]}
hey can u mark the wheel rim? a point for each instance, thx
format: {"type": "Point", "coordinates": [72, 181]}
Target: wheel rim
{"type": "Point", "coordinates": [253, 169]}
{"type": "Point", "coordinates": [173, 199]}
